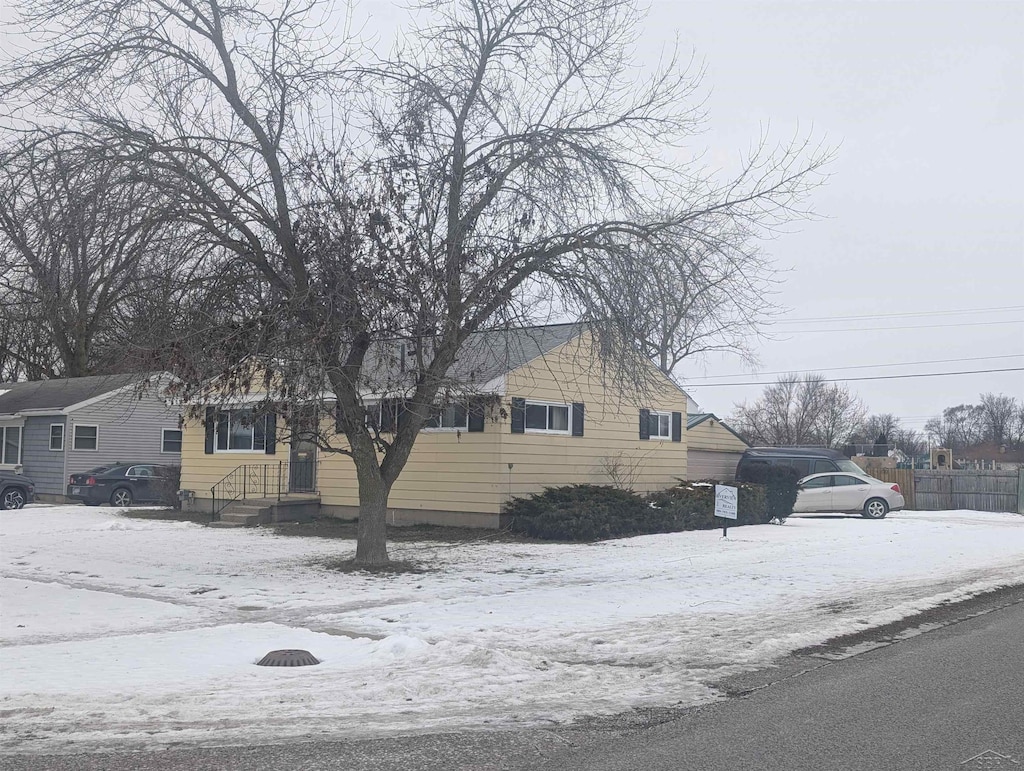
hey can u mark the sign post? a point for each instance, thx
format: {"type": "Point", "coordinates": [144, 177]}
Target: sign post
{"type": "Point", "coordinates": [725, 506]}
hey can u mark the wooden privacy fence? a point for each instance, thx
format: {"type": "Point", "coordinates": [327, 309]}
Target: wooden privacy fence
{"type": "Point", "coordinates": [939, 490]}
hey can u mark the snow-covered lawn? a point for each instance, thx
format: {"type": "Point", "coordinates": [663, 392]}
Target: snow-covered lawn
{"type": "Point", "coordinates": [123, 632]}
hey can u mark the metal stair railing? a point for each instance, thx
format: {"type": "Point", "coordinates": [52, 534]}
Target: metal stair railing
{"type": "Point", "coordinates": [261, 480]}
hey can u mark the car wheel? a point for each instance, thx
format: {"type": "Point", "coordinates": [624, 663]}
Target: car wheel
{"type": "Point", "coordinates": [875, 508]}
{"type": "Point", "coordinates": [122, 496]}
{"type": "Point", "coordinates": [12, 498]}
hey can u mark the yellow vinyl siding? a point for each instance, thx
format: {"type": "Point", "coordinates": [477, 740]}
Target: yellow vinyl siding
{"type": "Point", "coordinates": [611, 428]}
{"type": "Point", "coordinates": [200, 472]}
{"type": "Point", "coordinates": [447, 471]}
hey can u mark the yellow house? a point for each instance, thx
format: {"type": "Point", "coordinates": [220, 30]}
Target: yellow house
{"type": "Point", "coordinates": [551, 417]}
{"type": "Point", "coordinates": [713, 449]}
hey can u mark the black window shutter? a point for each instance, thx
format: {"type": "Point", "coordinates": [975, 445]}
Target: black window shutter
{"type": "Point", "coordinates": [677, 426]}
{"type": "Point", "coordinates": [211, 426]}
{"type": "Point", "coordinates": [476, 417]}
{"type": "Point", "coordinates": [577, 418]}
{"type": "Point", "coordinates": [401, 414]}
{"type": "Point", "coordinates": [645, 424]}
{"type": "Point", "coordinates": [518, 415]}
{"type": "Point", "coordinates": [271, 433]}
{"type": "Point", "coordinates": [338, 428]}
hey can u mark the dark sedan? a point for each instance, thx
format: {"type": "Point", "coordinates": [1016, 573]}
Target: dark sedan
{"type": "Point", "coordinates": [15, 490]}
{"type": "Point", "coordinates": [120, 485]}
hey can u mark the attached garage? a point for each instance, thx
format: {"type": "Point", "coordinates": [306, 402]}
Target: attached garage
{"type": "Point", "coordinates": [713, 449]}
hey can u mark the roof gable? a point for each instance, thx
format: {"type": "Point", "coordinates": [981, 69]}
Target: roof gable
{"type": "Point", "coordinates": [692, 421]}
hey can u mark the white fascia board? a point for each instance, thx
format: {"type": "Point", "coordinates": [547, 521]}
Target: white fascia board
{"type": "Point", "coordinates": [496, 387]}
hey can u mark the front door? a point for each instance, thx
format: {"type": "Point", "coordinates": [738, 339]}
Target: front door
{"type": "Point", "coordinates": [302, 467]}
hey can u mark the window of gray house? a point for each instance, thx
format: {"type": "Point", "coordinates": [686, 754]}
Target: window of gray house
{"type": "Point", "coordinates": [170, 440]}
{"type": "Point", "coordinates": [57, 436]}
{"type": "Point", "coordinates": [86, 438]}
{"type": "Point", "coordinates": [10, 445]}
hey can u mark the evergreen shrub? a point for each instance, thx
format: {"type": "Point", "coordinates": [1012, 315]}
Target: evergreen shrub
{"type": "Point", "coordinates": [584, 513]}
{"type": "Point", "coordinates": [780, 488]}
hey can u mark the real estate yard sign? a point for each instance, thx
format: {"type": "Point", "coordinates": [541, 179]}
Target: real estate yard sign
{"type": "Point", "coordinates": [725, 505]}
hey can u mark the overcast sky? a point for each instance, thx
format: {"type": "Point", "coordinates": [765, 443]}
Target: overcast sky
{"type": "Point", "coordinates": [924, 213]}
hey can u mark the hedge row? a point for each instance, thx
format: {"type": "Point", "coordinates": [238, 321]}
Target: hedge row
{"type": "Point", "coordinates": [595, 512]}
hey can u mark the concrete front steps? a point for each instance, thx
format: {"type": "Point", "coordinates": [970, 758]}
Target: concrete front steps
{"type": "Point", "coordinates": [252, 512]}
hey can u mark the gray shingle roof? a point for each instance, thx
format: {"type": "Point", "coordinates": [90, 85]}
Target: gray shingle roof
{"type": "Point", "coordinates": [487, 355]}
{"type": "Point", "coordinates": [695, 419]}
{"type": "Point", "coordinates": [484, 356]}
{"type": "Point", "coordinates": [58, 394]}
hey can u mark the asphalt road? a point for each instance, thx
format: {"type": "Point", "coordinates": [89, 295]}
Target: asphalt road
{"type": "Point", "coordinates": [932, 701]}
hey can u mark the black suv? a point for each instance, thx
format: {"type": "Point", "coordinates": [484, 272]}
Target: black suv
{"type": "Point", "coordinates": [15, 490]}
{"type": "Point", "coordinates": [806, 460]}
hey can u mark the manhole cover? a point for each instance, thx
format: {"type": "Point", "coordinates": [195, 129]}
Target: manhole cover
{"type": "Point", "coordinates": [288, 658]}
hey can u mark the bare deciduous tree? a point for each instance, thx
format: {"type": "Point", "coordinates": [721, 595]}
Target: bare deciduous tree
{"type": "Point", "coordinates": [492, 169]}
{"type": "Point", "coordinates": [801, 411]}
{"type": "Point", "coordinates": [908, 441]}
{"type": "Point", "coordinates": [706, 288]}
{"type": "Point", "coordinates": [78, 228]}
{"type": "Point", "coordinates": [999, 414]}
{"type": "Point", "coordinates": [960, 427]}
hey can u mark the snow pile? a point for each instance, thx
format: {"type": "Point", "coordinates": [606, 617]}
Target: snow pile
{"type": "Point", "coordinates": [133, 632]}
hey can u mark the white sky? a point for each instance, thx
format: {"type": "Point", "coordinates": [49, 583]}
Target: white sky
{"type": "Point", "coordinates": [923, 213]}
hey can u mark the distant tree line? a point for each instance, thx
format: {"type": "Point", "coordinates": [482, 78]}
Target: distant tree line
{"type": "Point", "coordinates": [807, 410]}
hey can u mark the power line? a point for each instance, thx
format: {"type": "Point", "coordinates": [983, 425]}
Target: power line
{"type": "Point", "coordinates": [861, 366]}
{"type": "Point", "coordinates": [918, 326]}
{"type": "Point", "coordinates": [1000, 309]}
{"type": "Point", "coordinates": [877, 377]}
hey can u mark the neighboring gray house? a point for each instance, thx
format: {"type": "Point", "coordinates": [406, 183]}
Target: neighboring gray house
{"type": "Point", "coordinates": [50, 429]}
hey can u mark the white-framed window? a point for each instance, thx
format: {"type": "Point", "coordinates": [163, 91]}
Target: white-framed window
{"type": "Point", "coordinates": [10, 445]}
{"type": "Point", "coordinates": [240, 431]}
{"type": "Point", "coordinates": [659, 424]}
{"type": "Point", "coordinates": [57, 437]}
{"type": "Point", "coordinates": [85, 437]}
{"type": "Point", "coordinates": [547, 417]}
{"type": "Point", "coordinates": [170, 440]}
{"type": "Point", "coordinates": [453, 417]}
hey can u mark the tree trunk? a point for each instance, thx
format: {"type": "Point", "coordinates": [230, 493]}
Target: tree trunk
{"type": "Point", "coordinates": [371, 533]}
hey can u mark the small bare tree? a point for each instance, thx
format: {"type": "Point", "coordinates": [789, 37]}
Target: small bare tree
{"type": "Point", "coordinates": [801, 411]}
{"type": "Point", "coordinates": [999, 414]}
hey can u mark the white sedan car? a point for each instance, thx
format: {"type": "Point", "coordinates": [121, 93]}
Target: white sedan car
{"type": "Point", "coordinates": [848, 492]}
